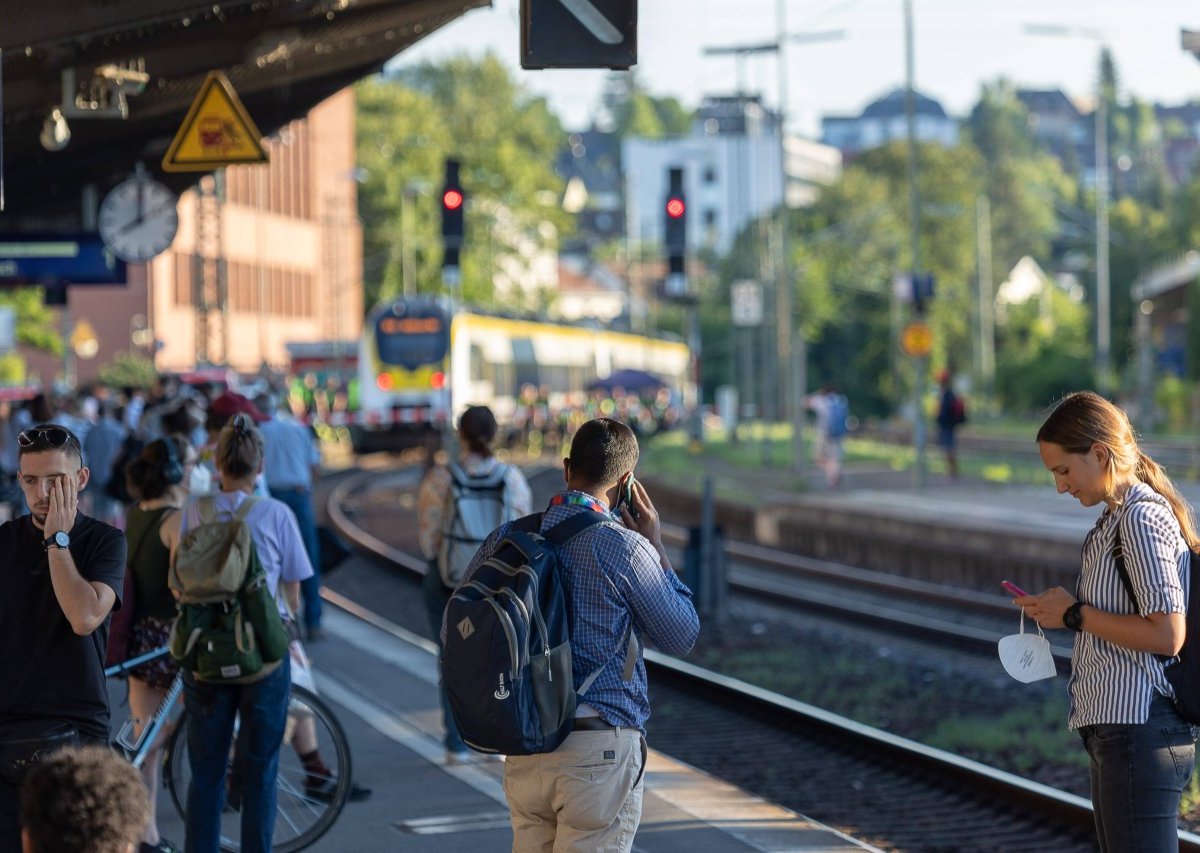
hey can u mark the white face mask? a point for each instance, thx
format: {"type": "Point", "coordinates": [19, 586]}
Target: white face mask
{"type": "Point", "coordinates": [1026, 657]}
{"type": "Point", "coordinates": [200, 482]}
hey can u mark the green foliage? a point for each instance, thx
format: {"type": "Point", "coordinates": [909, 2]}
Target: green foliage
{"type": "Point", "coordinates": [633, 111]}
{"type": "Point", "coordinates": [506, 139]}
{"type": "Point", "coordinates": [1046, 351]}
{"type": "Point", "coordinates": [129, 369]}
{"type": "Point", "coordinates": [36, 325]}
{"type": "Point", "coordinates": [1173, 397]}
{"type": "Point", "coordinates": [12, 369]}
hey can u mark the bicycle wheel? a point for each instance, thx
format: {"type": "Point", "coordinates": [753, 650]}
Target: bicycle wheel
{"type": "Point", "coordinates": [306, 804]}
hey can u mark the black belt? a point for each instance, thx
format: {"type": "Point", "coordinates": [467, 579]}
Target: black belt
{"type": "Point", "coordinates": [592, 724]}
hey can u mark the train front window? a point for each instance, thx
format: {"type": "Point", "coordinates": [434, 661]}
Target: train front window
{"type": "Point", "coordinates": [412, 340]}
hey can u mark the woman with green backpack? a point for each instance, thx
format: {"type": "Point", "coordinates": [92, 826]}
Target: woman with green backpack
{"type": "Point", "coordinates": [261, 703]}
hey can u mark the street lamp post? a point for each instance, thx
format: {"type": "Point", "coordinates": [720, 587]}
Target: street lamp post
{"type": "Point", "coordinates": [1103, 287]}
{"type": "Point", "coordinates": [914, 215]}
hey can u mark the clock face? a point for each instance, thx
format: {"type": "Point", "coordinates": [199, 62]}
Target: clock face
{"type": "Point", "coordinates": [138, 219]}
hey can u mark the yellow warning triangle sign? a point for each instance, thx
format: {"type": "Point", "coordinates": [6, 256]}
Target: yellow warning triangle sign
{"type": "Point", "coordinates": [217, 131]}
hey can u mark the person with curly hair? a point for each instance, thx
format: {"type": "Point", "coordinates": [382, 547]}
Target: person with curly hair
{"type": "Point", "coordinates": [157, 480]}
{"type": "Point", "coordinates": [86, 800]}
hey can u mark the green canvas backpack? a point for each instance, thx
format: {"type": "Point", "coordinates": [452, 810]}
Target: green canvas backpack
{"type": "Point", "coordinates": [228, 629]}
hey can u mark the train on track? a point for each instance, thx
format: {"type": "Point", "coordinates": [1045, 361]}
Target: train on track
{"type": "Point", "coordinates": [422, 360]}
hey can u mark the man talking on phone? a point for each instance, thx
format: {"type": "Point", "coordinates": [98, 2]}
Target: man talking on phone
{"type": "Point", "coordinates": [62, 574]}
{"type": "Point", "coordinates": [618, 579]}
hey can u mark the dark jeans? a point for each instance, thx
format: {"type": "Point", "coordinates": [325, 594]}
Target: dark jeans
{"type": "Point", "coordinates": [301, 504]}
{"type": "Point", "coordinates": [262, 712]}
{"type": "Point", "coordinates": [1138, 774]}
{"type": "Point", "coordinates": [436, 596]}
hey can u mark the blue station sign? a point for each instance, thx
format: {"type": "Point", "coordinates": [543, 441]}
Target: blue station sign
{"type": "Point", "coordinates": [58, 260]}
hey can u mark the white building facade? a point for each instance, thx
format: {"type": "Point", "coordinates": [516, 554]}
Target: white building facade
{"type": "Point", "coordinates": [731, 174]}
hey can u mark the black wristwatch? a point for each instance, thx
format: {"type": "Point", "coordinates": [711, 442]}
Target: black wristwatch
{"type": "Point", "coordinates": [1072, 618]}
{"type": "Point", "coordinates": [59, 540]}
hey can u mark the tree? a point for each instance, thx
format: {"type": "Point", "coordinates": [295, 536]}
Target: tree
{"type": "Point", "coordinates": [475, 111]}
{"type": "Point", "coordinates": [633, 111]}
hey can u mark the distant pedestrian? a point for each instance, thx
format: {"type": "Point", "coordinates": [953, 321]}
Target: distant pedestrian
{"type": "Point", "coordinates": [61, 575]}
{"type": "Point", "coordinates": [1141, 751]}
{"type": "Point", "coordinates": [102, 447]}
{"type": "Point", "coordinates": [952, 413]}
{"type": "Point", "coordinates": [587, 794]}
{"type": "Point", "coordinates": [87, 800]}
{"type": "Point", "coordinates": [292, 464]}
{"type": "Point", "coordinates": [833, 414]}
{"type": "Point", "coordinates": [501, 493]}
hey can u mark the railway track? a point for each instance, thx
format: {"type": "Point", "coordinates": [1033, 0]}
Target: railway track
{"type": "Point", "coordinates": [890, 791]}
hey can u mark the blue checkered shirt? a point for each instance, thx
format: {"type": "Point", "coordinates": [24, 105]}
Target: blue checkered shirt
{"type": "Point", "coordinates": [613, 578]}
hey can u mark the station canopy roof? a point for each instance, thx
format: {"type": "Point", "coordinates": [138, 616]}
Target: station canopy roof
{"type": "Point", "coordinates": [282, 56]}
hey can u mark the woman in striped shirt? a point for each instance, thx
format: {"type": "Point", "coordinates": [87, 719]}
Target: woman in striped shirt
{"type": "Point", "coordinates": [1141, 751]}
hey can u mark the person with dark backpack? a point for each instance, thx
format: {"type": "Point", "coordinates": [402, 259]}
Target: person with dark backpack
{"type": "Point", "coordinates": [952, 413]}
{"type": "Point", "coordinates": [1124, 699]}
{"type": "Point", "coordinates": [565, 683]}
{"type": "Point", "coordinates": [458, 505]}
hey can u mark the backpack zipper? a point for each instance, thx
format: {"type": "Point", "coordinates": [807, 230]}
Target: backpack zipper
{"type": "Point", "coordinates": [537, 614]}
{"type": "Point", "coordinates": [510, 632]}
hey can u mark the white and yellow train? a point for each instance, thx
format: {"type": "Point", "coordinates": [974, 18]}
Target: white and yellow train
{"type": "Point", "coordinates": [421, 361]}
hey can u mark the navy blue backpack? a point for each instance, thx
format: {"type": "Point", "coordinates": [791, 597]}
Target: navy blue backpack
{"type": "Point", "coordinates": [506, 661]}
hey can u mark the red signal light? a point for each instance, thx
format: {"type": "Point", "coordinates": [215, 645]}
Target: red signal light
{"type": "Point", "coordinates": [675, 208]}
{"type": "Point", "coordinates": [437, 381]}
{"type": "Point", "coordinates": [384, 381]}
{"type": "Point", "coordinates": [452, 199]}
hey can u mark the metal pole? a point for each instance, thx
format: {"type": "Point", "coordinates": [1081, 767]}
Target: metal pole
{"type": "Point", "coordinates": [914, 214]}
{"type": "Point", "coordinates": [794, 386]}
{"type": "Point", "coordinates": [987, 322]}
{"type": "Point", "coordinates": [406, 250]}
{"type": "Point", "coordinates": [1103, 319]}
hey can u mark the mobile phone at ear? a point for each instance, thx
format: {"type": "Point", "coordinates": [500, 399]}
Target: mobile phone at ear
{"type": "Point", "coordinates": [1013, 588]}
{"type": "Point", "coordinates": [625, 497]}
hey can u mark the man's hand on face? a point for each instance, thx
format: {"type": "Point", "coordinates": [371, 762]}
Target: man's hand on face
{"type": "Point", "coordinates": [64, 502]}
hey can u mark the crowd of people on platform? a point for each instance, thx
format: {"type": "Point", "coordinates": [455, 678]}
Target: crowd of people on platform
{"type": "Point", "coordinates": [544, 423]}
{"type": "Point", "coordinates": [96, 488]}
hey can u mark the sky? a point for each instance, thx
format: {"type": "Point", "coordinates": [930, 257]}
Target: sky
{"type": "Point", "coordinates": [959, 45]}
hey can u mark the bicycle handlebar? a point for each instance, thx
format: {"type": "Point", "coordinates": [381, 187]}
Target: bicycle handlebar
{"type": "Point", "coordinates": [121, 670]}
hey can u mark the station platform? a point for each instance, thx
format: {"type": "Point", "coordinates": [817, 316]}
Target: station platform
{"type": "Point", "coordinates": [387, 679]}
{"type": "Point", "coordinates": [381, 681]}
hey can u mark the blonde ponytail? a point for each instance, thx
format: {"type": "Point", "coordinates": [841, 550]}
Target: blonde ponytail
{"type": "Point", "coordinates": [1152, 474]}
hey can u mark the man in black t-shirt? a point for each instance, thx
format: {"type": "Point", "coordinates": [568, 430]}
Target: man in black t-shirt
{"type": "Point", "coordinates": [61, 574]}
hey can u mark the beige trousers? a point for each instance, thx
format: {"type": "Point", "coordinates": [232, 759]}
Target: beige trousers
{"type": "Point", "coordinates": [585, 797]}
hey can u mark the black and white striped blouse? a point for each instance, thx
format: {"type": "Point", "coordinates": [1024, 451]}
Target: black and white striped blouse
{"type": "Point", "coordinates": [1111, 684]}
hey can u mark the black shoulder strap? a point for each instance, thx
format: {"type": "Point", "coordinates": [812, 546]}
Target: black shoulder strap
{"type": "Point", "coordinates": [563, 532]}
{"type": "Point", "coordinates": [1118, 554]}
{"type": "Point", "coordinates": [527, 523]}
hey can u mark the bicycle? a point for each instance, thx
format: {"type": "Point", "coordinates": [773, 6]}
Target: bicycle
{"type": "Point", "coordinates": [301, 816]}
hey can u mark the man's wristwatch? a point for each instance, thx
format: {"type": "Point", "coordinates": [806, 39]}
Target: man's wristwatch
{"type": "Point", "coordinates": [1072, 618]}
{"type": "Point", "coordinates": [59, 540]}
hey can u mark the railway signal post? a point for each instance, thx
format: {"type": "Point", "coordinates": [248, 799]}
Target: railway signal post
{"type": "Point", "coordinates": [453, 202]}
{"type": "Point", "coordinates": [677, 289]}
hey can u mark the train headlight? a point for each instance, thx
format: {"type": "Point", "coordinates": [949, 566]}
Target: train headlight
{"type": "Point", "coordinates": [437, 381]}
{"type": "Point", "coordinates": [384, 381]}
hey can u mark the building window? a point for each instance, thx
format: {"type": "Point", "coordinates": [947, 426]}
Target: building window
{"type": "Point", "coordinates": [710, 217]}
{"type": "Point", "coordinates": [710, 175]}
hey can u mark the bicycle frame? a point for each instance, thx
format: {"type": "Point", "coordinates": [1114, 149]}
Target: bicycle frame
{"type": "Point", "coordinates": [137, 749]}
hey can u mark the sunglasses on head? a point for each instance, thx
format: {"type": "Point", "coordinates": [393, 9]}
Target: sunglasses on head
{"type": "Point", "coordinates": [52, 436]}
